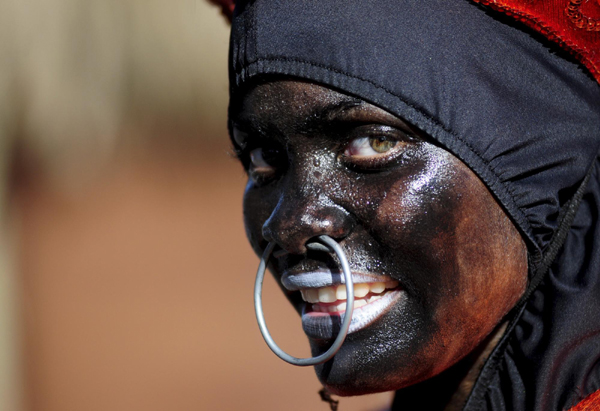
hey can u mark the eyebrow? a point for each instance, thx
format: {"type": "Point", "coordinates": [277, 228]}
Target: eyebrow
{"type": "Point", "coordinates": [321, 118]}
{"type": "Point", "coordinates": [354, 111]}
{"type": "Point", "coordinates": [328, 112]}
{"type": "Point", "coordinates": [332, 112]}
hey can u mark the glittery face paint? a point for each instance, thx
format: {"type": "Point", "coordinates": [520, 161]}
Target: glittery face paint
{"type": "Point", "coordinates": [439, 261]}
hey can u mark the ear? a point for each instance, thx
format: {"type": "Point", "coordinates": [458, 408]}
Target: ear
{"type": "Point", "coordinates": [227, 7]}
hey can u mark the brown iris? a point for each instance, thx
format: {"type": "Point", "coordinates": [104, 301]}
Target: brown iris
{"type": "Point", "coordinates": [382, 144]}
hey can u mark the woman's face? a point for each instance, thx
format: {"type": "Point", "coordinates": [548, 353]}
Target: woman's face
{"type": "Point", "coordinates": [436, 263]}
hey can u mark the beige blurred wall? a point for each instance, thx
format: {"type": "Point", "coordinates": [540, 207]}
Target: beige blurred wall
{"type": "Point", "coordinates": [134, 278]}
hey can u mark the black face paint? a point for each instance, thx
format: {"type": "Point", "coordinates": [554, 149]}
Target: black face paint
{"type": "Point", "coordinates": [523, 118]}
{"type": "Point", "coordinates": [409, 215]}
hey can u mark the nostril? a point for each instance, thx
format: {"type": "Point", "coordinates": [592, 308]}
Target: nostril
{"type": "Point", "coordinates": [286, 231]}
{"type": "Point", "coordinates": [285, 238]}
{"type": "Point", "coordinates": [293, 224]}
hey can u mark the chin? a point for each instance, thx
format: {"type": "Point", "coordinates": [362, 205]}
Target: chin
{"type": "Point", "coordinates": [353, 388]}
{"type": "Point", "coordinates": [346, 383]}
{"type": "Point", "coordinates": [381, 357]}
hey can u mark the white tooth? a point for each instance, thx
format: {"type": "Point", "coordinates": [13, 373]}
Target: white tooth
{"type": "Point", "coordinates": [374, 298]}
{"type": "Point", "coordinates": [326, 295]}
{"type": "Point", "coordinates": [311, 295]}
{"type": "Point", "coordinates": [303, 294]}
{"type": "Point", "coordinates": [340, 292]}
{"type": "Point", "coordinates": [341, 307]}
{"type": "Point", "coordinates": [377, 288]}
{"type": "Point", "coordinates": [332, 308]}
{"type": "Point", "coordinates": [391, 284]}
{"type": "Point", "coordinates": [359, 303]}
{"type": "Point", "coordinates": [360, 290]}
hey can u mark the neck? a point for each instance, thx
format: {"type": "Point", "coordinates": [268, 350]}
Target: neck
{"type": "Point", "coordinates": [449, 390]}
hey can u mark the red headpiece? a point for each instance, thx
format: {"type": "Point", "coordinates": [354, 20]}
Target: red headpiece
{"type": "Point", "coordinates": [573, 24]}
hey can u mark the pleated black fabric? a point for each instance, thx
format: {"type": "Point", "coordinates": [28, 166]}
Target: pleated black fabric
{"type": "Point", "coordinates": [525, 119]}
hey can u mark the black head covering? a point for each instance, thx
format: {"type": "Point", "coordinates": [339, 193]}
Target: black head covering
{"type": "Point", "coordinates": [525, 119]}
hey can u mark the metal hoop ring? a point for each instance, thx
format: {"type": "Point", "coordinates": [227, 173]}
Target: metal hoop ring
{"type": "Point", "coordinates": [332, 246]}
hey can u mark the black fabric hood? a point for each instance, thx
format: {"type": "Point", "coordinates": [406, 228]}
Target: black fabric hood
{"type": "Point", "coordinates": [525, 119]}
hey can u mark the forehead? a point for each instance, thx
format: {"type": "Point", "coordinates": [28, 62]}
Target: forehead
{"type": "Point", "coordinates": [297, 97]}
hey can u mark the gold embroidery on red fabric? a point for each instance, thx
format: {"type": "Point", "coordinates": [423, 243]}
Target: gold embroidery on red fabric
{"type": "Point", "coordinates": [579, 19]}
{"type": "Point", "coordinates": [590, 403]}
{"type": "Point", "coordinates": [554, 19]}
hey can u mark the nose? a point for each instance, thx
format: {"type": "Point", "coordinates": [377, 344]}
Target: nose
{"type": "Point", "coordinates": [298, 218]}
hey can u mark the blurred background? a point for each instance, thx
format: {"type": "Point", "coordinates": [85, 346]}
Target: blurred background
{"type": "Point", "coordinates": [125, 277]}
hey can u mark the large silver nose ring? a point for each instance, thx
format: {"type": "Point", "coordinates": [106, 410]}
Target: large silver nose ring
{"type": "Point", "coordinates": [322, 243]}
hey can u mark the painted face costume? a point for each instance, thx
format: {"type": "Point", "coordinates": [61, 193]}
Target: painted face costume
{"type": "Point", "coordinates": [519, 111]}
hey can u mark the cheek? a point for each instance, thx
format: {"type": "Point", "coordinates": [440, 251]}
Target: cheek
{"type": "Point", "coordinates": [486, 269]}
{"type": "Point", "coordinates": [420, 200]}
{"type": "Point", "coordinates": [460, 257]}
{"type": "Point", "coordinates": [416, 213]}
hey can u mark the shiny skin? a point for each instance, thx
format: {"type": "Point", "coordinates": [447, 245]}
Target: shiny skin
{"type": "Point", "coordinates": [419, 216]}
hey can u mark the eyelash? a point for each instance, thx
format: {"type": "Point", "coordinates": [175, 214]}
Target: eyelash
{"type": "Point", "coordinates": [268, 170]}
{"type": "Point", "coordinates": [366, 138]}
{"type": "Point", "coordinates": [270, 167]}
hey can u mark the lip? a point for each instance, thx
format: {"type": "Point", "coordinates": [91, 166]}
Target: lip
{"type": "Point", "coordinates": [325, 278]}
{"type": "Point", "coordinates": [325, 326]}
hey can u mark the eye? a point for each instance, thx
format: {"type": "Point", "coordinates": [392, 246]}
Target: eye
{"type": "Point", "coordinates": [258, 164]}
{"type": "Point", "coordinates": [370, 146]}
{"type": "Point", "coordinates": [263, 164]}
{"type": "Point", "coordinates": [375, 147]}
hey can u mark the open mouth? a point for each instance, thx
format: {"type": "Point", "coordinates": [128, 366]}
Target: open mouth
{"type": "Point", "coordinates": [325, 300]}
{"type": "Point", "coordinates": [333, 299]}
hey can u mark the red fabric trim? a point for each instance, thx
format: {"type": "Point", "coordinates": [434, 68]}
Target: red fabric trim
{"type": "Point", "coordinates": [573, 24]}
{"type": "Point", "coordinates": [589, 403]}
